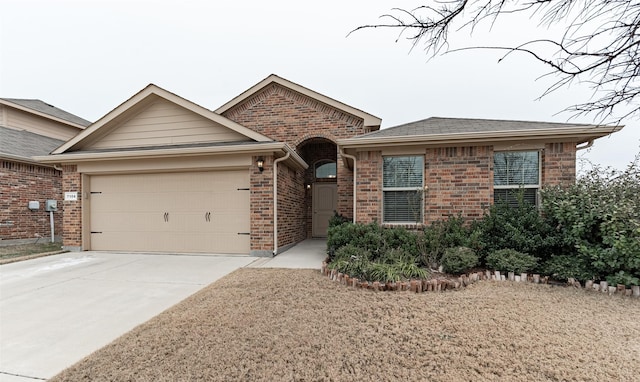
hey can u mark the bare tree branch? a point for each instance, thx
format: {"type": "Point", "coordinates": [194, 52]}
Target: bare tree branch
{"type": "Point", "coordinates": [600, 45]}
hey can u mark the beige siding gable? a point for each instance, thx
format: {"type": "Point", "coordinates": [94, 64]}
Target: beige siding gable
{"type": "Point", "coordinates": [21, 120]}
{"type": "Point", "coordinates": [165, 123]}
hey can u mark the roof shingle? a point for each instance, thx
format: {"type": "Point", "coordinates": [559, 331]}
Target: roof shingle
{"type": "Point", "coordinates": [43, 107]}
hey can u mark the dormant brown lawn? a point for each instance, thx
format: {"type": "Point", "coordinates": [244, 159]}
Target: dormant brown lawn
{"type": "Point", "coordinates": [296, 325]}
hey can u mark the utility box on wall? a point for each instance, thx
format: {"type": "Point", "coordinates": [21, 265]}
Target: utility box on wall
{"type": "Point", "coordinates": [51, 205]}
{"type": "Point", "coordinates": [34, 205]}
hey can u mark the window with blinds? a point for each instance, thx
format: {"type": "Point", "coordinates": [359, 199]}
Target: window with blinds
{"type": "Point", "coordinates": [516, 175]}
{"type": "Point", "coordinates": [402, 182]}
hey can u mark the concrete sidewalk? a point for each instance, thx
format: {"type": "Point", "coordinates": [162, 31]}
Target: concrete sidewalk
{"type": "Point", "coordinates": [308, 254]}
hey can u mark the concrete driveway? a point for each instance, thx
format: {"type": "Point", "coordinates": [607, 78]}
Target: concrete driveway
{"type": "Point", "coordinates": [56, 310]}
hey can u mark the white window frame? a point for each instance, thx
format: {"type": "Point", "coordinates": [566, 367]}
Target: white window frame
{"type": "Point", "coordinates": [520, 186]}
{"type": "Point", "coordinates": [417, 189]}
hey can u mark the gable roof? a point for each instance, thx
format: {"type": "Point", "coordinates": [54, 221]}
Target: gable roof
{"type": "Point", "coordinates": [138, 102]}
{"type": "Point", "coordinates": [23, 145]}
{"type": "Point", "coordinates": [370, 121]}
{"type": "Point", "coordinates": [436, 130]}
{"type": "Point", "coordinates": [44, 109]}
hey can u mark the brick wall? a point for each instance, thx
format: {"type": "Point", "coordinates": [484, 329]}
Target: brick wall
{"type": "Point", "coordinates": [458, 180]}
{"type": "Point", "coordinates": [19, 184]}
{"type": "Point", "coordinates": [287, 116]}
{"type": "Point", "coordinates": [559, 164]}
{"type": "Point", "coordinates": [72, 182]}
{"type": "Point", "coordinates": [369, 187]}
{"type": "Point", "coordinates": [261, 185]}
{"type": "Point", "coordinates": [291, 213]}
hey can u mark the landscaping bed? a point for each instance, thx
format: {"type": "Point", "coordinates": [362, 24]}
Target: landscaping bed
{"type": "Point", "coordinates": [297, 325]}
{"type": "Point", "coordinates": [13, 253]}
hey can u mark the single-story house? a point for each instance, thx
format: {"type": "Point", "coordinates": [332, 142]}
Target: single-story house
{"type": "Point", "coordinates": [269, 168]}
{"type": "Point", "coordinates": [28, 128]}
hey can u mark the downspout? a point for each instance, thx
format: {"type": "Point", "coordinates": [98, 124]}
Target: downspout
{"type": "Point", "coordinates": [355, 173]}
{"type": "Point", "coordinates": [589, 144]}
{"type": "Point", "coordinates": [275, 201]}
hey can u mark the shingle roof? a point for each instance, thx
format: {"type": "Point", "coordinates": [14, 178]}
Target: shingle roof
{"type": "Point", "coordinates": [43, 107]}
{"type": "Point", "coordinates": [25, 144]}
{"type": "Point", "coordinates": [437, 125]}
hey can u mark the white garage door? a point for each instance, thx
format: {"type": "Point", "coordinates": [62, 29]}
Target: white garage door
{"type": "Point", "coordinates": [205, 212]}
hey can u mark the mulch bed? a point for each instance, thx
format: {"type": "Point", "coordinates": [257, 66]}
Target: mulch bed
{"type": "Point", "coordinates": [297, 325]}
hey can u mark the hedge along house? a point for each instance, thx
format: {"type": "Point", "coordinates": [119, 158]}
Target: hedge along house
{"type": "Point", "coordinates": [427, 170]}
{"type": "Point", "coordinates": [162, 174]}
{"type": "Point", "coordinates": [270, 167]}
{"type": "Point", "coordinates": [28, 128]}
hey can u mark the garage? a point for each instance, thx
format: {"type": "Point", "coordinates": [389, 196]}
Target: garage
{"type": "Point", "coordinates": [186, 212]}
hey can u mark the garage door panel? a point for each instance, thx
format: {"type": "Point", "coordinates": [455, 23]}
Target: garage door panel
{"type": "Point", "coordinates": [177, 212]}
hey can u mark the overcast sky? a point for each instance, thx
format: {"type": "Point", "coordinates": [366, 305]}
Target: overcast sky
{"type": "Point", "coordinates": [87, 57]}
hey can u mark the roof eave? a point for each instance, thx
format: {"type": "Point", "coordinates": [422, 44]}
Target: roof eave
{"type": "Point", "coordinates": [27, 160]}
{"type": "Point", "coordinates": [581, 135]}
{"type": "Point", "coordinates": [264, 148]}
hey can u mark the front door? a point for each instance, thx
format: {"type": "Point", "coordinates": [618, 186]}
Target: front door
{"type": "Point", "coordinates": [325, 196]}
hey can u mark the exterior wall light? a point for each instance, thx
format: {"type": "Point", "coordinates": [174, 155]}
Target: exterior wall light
{"type": "Point", "coordinates": [260, 163]}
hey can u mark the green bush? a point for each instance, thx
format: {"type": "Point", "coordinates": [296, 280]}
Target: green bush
{"type": "Point", "coordinates": [366, 236]}
{"type": "Point", "coordinates": [562, 267]}
{"type": "Point", "coordinates": [598, 219]}
{"type": "Point", "coordinates": [522, 228]}
{"type": "Point", "coordinates": [623, 278]}
{"type": "Point", "coordinates": [510, 260]}
{"type": "Point", "coordinates": [443, 234]}
{"type": "Point", "coordinates": [458, 259]}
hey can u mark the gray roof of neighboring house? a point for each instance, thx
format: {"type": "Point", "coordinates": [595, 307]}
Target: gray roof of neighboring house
{"type": "Point", "coordinates": [43, 107]}
{"type": "Point", "coordinates": [25, 144]}
{"type": "Point", "coordinates": [437, 125]}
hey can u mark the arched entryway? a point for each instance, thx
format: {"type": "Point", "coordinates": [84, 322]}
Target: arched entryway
{"type": "Point", "coordinates": [320, 179]}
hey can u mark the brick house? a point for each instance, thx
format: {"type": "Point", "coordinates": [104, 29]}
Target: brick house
{"type": "Point", "coordinates": [30, 128]}
{"type": "Point", "coordinates": [271, 166]}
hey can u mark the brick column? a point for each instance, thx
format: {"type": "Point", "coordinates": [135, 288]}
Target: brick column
{"type": "Point", "coordinates": [72, 210]}
{"type": "Point", "coordinates": [262, 208]}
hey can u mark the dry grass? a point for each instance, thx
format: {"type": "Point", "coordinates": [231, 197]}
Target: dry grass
{"type": "Point", "coordinates": [295, 325]}
{"type": "Point", "coordinates": [19, 252]}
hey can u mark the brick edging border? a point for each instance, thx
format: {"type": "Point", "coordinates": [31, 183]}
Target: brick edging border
{"type": "Point", "coordinates": [443, 284]}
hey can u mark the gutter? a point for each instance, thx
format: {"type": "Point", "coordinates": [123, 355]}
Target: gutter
{"type": "Point", "coordinates": [589, 144]}
{"type": "Point", "coordinates": [275, 201]}
{"type": "Point", "coordinates": [355, 173]}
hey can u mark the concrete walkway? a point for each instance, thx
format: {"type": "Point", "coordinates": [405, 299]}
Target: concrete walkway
{"type": "Point", "coordinates": [308, 254]}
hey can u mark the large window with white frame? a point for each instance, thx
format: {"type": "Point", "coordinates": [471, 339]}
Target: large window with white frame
{"type": "Point", "coordinates": [402, 185]}
{"type": "Point", "coordinates": [516, 173]}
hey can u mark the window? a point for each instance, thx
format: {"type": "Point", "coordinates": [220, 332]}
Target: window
{"type": "Point", "coordinates": [325, 169]}
{"type": "Point", "coordinates": [402, 180]}
{"type": "Point", "coordinates": [516, 173]}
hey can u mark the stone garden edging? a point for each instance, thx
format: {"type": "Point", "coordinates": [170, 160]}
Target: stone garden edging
{"type": "Point", "coordinates": [443, 284]}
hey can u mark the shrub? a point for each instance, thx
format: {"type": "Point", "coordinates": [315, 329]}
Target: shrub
{"type": "Point", "coordinates": [458, 259]}
{"type": "Point", "coordinates": [366, 236]}
{"type": "Point", "coordinates": [443, 234]}
{"type": "Point", "coordinates": [338, 219]}
{"type": "Point", "coordinates": [623, 278]}
{"type": "Point", "coordinates": [562, 267]}
{"type": "Point", "coordinates": [599, 220]}
{"type": "Point", "coordinates": [520, 227]}
{"type": "Point", "coordinates": [510, 260]}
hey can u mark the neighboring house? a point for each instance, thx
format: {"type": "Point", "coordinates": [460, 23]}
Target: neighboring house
{"type": "Point", "coordinates": [30, 128]}
{"type": "Point", "coordinates": [270, 167]}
